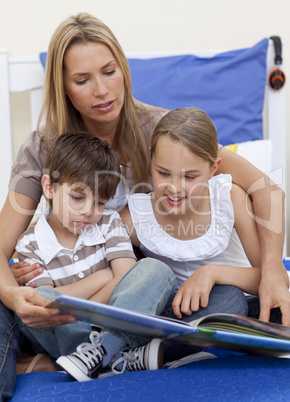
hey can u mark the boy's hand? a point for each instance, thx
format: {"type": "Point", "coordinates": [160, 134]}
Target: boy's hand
{"type": "Point", "coordinates": [29, 306]}
{"type": "Point", "coordinates": [194, 292]}
{"type": "Point", "coordinates": [24, 272]}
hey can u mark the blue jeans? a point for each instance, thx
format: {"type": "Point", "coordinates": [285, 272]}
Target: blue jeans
{"type": "Point", "coordinates": [145, 288]}
{"type": "Point", "coordinates": [222, 299]}
{"type": "Point", "coordinates": [11, 340]}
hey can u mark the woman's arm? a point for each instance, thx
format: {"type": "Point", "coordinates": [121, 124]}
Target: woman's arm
{"type": "Point", "coordinates": [268, 204]}
{"type": "Point", "coordinates": [24, 301]}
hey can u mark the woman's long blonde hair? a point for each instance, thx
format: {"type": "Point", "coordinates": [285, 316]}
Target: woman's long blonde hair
{"type": "Point", "coordinates": [59, 113]}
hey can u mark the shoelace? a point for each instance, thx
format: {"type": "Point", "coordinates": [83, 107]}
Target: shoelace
{"type": "Point", "coordinates": [132, 361]}
{"type": "Point", "coordinates": [90, 353]}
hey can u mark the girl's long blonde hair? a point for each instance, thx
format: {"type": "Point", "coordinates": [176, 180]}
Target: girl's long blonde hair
{"type": "Point", "coordinates": [59, 113]}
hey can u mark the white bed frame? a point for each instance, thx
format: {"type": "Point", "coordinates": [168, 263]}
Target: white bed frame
{"type": "Point", "coordinates": [25, 73]}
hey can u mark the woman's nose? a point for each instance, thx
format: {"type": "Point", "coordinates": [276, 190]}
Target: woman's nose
{"type": "Point", "coordinates": [100, 88]}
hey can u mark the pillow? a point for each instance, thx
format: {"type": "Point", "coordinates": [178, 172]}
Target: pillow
{"type": "Point", "coordinates": [229, 87]}
{"type": "Point", "coordinates": [258, 152]}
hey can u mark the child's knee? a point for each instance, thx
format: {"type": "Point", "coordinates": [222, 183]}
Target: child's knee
{"type": "Point", "coordinates": [158, 269]}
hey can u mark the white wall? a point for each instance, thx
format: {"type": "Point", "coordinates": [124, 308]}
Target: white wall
{"type": "Point", "coordinates": [26, 27]}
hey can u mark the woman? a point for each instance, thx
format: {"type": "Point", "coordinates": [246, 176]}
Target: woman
{"type": "Point", "coordinates": [88, 87]}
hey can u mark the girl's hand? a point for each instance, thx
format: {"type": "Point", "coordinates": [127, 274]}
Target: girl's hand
{"type": "Point", "coordinates": [29, 306]}
{"type": "Point", "coordinates": [24, 272]}
{"type": "Point", "coordinates": [194, 292]}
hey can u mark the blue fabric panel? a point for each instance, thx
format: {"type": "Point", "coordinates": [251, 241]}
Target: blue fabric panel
{"type": "Point", "coordinates": [287, 264]}
{"type": "Point", "coordinates": [231, 378]}
{"type": "Point", "coordinates": [229, 87]}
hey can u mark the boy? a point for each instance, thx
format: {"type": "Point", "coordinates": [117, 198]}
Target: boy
{"type": "Point", "coordinates": [84, 251]}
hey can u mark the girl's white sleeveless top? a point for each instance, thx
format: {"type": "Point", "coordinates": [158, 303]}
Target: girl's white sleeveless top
{"type": "Point", "coordinates": [219, 245]}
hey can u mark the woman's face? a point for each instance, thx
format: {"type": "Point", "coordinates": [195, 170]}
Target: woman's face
{"type": "Point", "coordinates": [94, 83]}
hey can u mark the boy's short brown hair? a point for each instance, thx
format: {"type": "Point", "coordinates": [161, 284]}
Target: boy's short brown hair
{"type": "Point", "coordinates": [83, 158]}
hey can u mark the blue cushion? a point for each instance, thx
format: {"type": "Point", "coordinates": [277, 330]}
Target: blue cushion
{"type": "Point", "coordinates": [229, 87]}
{"type": "Point", "coordinates": [232, 378]}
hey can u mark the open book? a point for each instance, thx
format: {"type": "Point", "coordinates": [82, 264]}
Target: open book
{"type": "Point", "coordinates": [223, 331]}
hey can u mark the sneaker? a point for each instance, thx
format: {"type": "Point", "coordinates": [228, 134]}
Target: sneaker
{"type": "Point", "coordinates": [147, 357]}
{"type": "Point", "coordinates": [86, 362]}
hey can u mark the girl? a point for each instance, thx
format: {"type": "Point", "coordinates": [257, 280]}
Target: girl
{"type": "Point", "coordinates": [194, 221]}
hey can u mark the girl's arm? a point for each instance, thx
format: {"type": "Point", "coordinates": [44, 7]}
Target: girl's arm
{"type": "Point", "coordinates": [127, 219]}
{"type": "Point", "coordinates": [194, 292]}
{"type": "Point", "coordinates": [26, 302]}
{"type": "Point", "coordinates": [268, 204]}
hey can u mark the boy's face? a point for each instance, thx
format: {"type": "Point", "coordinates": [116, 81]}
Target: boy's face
{"type": "Point", "coordinates": [76, 207]}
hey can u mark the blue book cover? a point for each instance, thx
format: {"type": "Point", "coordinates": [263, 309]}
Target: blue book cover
{"type": "Point", "coordinates": [223, 331]}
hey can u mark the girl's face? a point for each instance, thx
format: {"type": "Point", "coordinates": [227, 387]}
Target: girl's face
{"type": "Point", "coordinates": [179, 177]}
{"type": "Point", "coordinates": [94, 83]}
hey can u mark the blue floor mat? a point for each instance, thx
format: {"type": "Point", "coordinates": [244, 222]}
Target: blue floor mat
{"type": "Point", "coordinates": [231, 378]}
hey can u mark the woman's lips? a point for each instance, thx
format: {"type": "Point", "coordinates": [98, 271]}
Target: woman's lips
{"type": "Point", "coordinates": [104, 107]}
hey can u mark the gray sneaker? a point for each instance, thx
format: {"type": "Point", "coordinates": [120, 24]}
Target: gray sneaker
{"type": "Point", "coordinates": [86, 362]}
{"type": "Point", "coordinates": [147, 357]}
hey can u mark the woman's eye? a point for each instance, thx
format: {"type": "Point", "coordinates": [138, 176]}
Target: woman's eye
{"type": "Point", "coordinates": [111, 72]}
{"type": "Point", "coordinates": [189, 177]}
{"type": "Point", "coordinates": [163, 174]}
{"type": "Point", "coordinates": [81, 82]}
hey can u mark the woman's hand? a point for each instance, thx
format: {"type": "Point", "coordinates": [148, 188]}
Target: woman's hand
{"type": "Point", "coordinates": [194, 292]}
{"type": "Point", "coordinates": [29, 306]}
{"type": "Point", "coordinates": [273, 293]}
{"type": "Point", "coordinates": [24, 272]}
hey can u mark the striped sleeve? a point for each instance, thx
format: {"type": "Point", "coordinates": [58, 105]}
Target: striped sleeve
{"type": "Point", "coordinates": [118, 243]}
{"type": "Point", "coordinates": [27, 250]}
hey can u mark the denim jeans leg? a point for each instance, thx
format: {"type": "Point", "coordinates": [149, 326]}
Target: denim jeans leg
{"type": "Point", "coordinates": [11, 340]}
{"type": "Point", "coordinates": [222, 299]}
{"type": "Point", "coordinates": [59, 340]}
{"type": "Point", "coordinates": [146, 288]}
{"type": "Point", "coordinates": [254, 310]}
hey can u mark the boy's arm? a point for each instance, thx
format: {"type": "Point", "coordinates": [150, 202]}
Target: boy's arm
{"type": "Point", "coordinates": [120, 266]}
{"type": "Point", "coordinates": [269, 204]}
{"type": "Point", "coordinates": [84, 288]}
{"type": "Point", "coordinates": [87, 288]}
